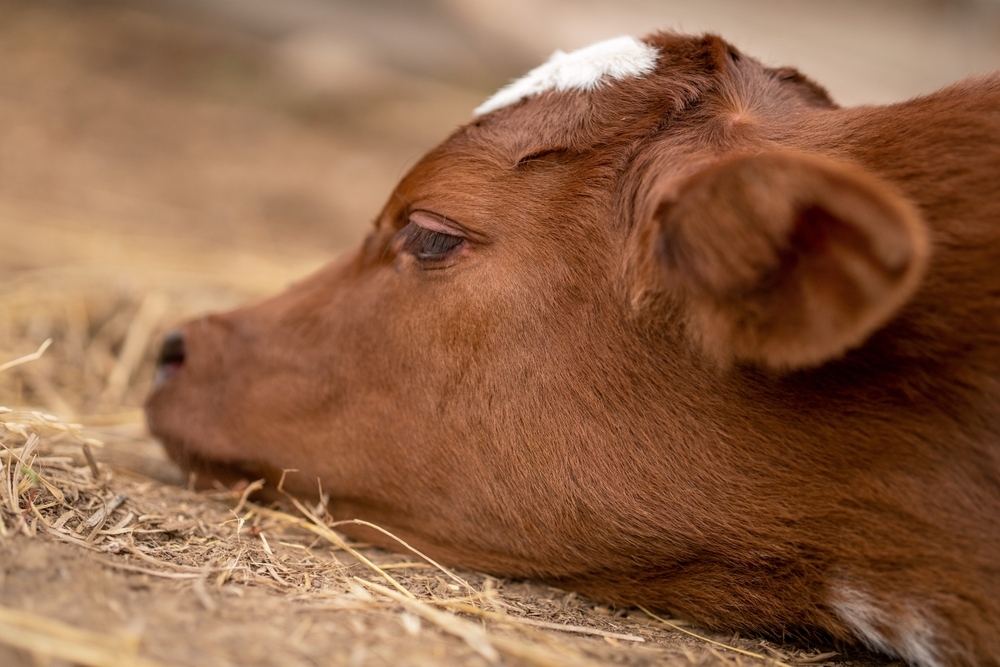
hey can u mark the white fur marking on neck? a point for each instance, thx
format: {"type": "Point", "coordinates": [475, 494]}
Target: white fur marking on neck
{"type": "Point", "coordinates": [906, 634]}
{"type": "Point", "coordinates": [583, 69]}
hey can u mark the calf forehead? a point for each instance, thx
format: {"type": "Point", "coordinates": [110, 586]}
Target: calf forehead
{"type": "Point", "coordinates": [583, 69]}
{"type": "Point", "coordinates": [612, 92]}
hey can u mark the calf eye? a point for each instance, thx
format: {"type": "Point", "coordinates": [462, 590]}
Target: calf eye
{"type": "Point", "coordinates": [427, 245]}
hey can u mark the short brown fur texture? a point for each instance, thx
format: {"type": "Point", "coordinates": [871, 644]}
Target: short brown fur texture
{"type": "Point", "coordinates": [709, 344]}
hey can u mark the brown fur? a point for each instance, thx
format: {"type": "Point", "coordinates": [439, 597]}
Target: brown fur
{"type": "Point", "coordinates": [710, 344]}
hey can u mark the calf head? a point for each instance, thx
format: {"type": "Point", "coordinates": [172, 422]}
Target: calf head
{"type": "Point", "coordinates": [656, 326]}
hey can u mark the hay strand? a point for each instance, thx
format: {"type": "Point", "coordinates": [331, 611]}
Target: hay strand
{"type": "Point", "coordinates": [454, 577]}
{"type": "Point", "coordinates": [34, 356]}
{"type": "Point", "coordinates": [678, 628]}
{"type": "Point", "coordinates": [559, 627]}
{"type": "Point", "coordinates": [316, 525]}
{"type": "Point", "coordinates": [471, 634]}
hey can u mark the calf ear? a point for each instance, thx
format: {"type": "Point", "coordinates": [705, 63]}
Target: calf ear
{"type": "Point", "coordinates": [787, 260]}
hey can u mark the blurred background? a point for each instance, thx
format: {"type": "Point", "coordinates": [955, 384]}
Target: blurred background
{"type": "Point", "coordinates": [160, 158]}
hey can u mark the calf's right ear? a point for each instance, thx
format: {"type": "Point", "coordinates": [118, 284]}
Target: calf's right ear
{"type": "Point", "coordinates": [784, 259]}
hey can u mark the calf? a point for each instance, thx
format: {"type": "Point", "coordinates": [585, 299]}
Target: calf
{"type": "Point", "coordinates": [667, 327]}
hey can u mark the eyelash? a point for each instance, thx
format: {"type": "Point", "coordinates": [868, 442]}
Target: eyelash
{"type": "Point", "coordinates": [427, 245]}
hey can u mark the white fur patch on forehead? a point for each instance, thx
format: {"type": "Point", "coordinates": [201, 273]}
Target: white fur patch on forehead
{"type": "Point", "coordinates": [583, 69]}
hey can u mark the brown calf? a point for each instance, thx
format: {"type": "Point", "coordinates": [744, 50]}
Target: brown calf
{"type": "Point", "coordinates": [665, 326]}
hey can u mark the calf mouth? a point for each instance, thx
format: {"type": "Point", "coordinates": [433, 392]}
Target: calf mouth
{"type": "Point", "coordinates": [205, 457]}
{"type": "Point", "coordinates": [206, 474]}
{"type": "Point", "coordinates": [203, 472]}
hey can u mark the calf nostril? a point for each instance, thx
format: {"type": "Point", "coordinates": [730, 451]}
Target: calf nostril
{"type": "Point", "coordinates": [172, 352]}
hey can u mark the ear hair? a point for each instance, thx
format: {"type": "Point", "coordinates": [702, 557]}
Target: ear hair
{"type": "Point", "coordinates": [787, 259]}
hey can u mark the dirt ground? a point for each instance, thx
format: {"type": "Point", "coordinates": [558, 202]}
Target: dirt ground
{"type": "Point", "coordinates": [162, 159]}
